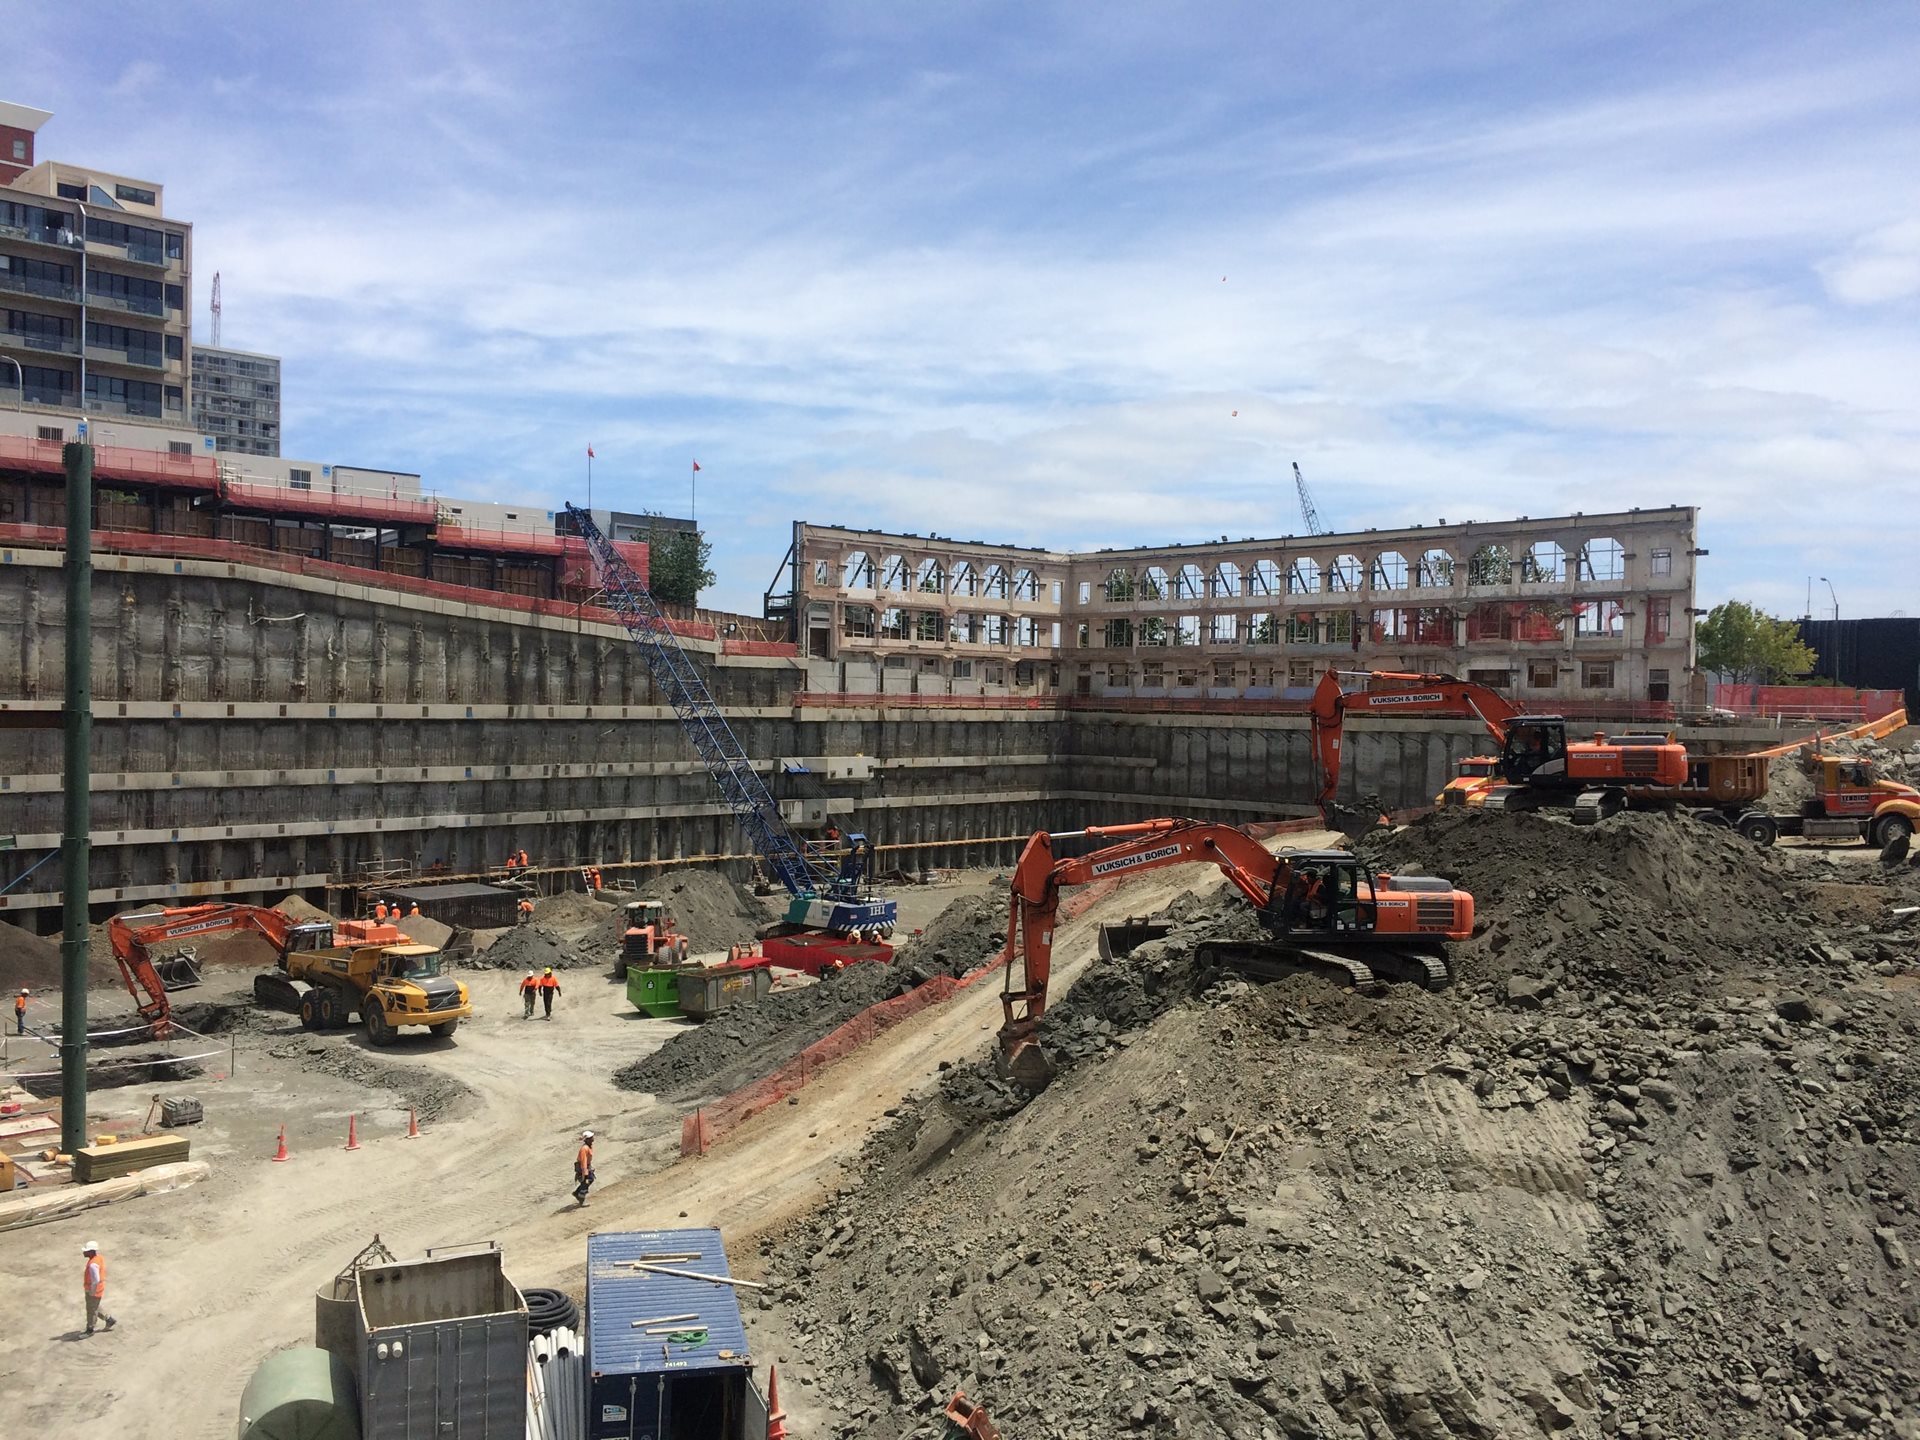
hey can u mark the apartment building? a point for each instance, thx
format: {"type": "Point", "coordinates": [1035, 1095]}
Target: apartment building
{"type": "Point", "coordinates": [236, 399]}
{"type": "Point", "coordinates": [96, 285]}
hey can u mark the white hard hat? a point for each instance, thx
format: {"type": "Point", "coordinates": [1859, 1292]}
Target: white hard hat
{"type": "Point", "coordinates": [586, 1134]}
{"type": "Point", "coordinates": [89, 1247]}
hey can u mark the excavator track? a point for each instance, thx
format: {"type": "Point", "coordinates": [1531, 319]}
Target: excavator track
{"type": "Point", "coordinates": [1276, 962]}
{"type": "Point", "coordinates": [1411, 967]}
{"type": "Point", "coordinates": [1596, 805]}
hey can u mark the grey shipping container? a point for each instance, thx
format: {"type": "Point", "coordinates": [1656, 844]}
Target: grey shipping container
{"type": "Point", "coordinates": [707, 991]}
{"type": "Point", "coordinates": [666, 1355]}
{"type": "Point", "coordinates": [443, 1350]}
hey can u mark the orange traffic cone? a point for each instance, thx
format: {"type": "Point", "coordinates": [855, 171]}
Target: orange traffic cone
{"type": "Point", "coordinates": [281, 1153]}
{"type": "Point", "coordinates": [353, 1134]}
{"type": "Point", "coordinates": [776, 1417]}
{"type": "Point", "coordinates": [413, 1126]}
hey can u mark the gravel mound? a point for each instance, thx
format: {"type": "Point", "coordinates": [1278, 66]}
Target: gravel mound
{"type": "Point", "coordinates": [743, 1044]}
{"type": "Point", "coordinates": [26, 959]}
{"type": "Point", "coordinates": [533, 947]}
{"type": "Point", "coordinates": [959, 940]}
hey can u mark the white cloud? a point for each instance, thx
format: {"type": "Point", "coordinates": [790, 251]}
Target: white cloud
{"type": "Point", "coordinates": [1877, 268]}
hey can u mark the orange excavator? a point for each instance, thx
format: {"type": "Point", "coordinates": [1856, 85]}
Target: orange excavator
{"type": "Point", "coordinates": [134, 935]}
{"type": "Point", "coordinates": [1323, 913]}
{"type": "Point", "coordinates": [1536, 765]}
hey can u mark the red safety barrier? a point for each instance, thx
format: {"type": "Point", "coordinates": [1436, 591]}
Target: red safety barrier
{"type": "Point", "coordinates": [1813, 702]}
{"type": "Point", "coordinates": [114, 462]}
{"type": "Point", "coordinates": [786, 649]}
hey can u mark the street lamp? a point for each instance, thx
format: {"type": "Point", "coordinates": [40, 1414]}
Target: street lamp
{"type": "Point", "coordinates": [1835, 598]}
{"type": "Point", "coordinates": [19, 377]}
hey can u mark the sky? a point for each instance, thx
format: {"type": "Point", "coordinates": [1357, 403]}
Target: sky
{"type": "Point", "coordinates": [1070, 275]}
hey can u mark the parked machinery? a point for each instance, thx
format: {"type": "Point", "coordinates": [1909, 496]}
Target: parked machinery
{"type": "Point", "coordinates": [1536, 765]}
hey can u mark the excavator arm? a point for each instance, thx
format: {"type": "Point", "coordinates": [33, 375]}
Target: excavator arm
{"type": "Point", "coordinates": [133, 937]}
{"type": "Point", "coordinates": [1039, 877]}
{"type": "Point", "coordinates": [1387, 692]}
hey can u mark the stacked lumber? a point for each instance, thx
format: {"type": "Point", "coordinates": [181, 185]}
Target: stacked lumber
{"type": "Point", "coordinates": [57, 1202]}
{"type": "Point", "coordinates": [93, 1163]}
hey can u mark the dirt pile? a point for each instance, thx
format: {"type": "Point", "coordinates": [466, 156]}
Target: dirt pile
{"type": "Point", "coordinates": [1674, 1191]}
{"type": "Point", "coordinates": [960, 939]}
{"type": "Point", "coordinates": [743, 1044]}
{"type": "Point", "coordinates": [27, 959]}
{"type": "Point", "coordinates": [711, 910]}
{"type": "Point", "coordinates": [300, 910]}
{"type": "Point", "coordinates": [533, 947]}
{"type": "Point", "coordinates": [1638, 901]}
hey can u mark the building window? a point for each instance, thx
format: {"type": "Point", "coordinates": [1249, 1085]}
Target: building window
{"type": "Point", "coordinates": [134, 193]}
{"type": "Point", "coordinates": [1659, 685]}
{"type": "Point", "coordinates": [1662, 562]}
{"type": "Point", "coordinates": [1659, 618]}
{"type": "Point", "coordinates": [20, 150]}
{"type": "Point", "coordinates": [963, 669]}
{"type": "Point", "coordinates": [173, 347]}
{"type": "Point", "coordinates": [300, 479]}
{"type": "Point", "coordinates": [179, 447]}
{"type": "Point", "coordinates": [175, 399]}
{"type": "Point", "coordinates": [174, 245]}
{"type": "Point", "coordinates": [68, 190]}
{"type": "Point", "coordinates": [176, 297]}
{"type": "Point", "coordinates": [53, 433]}
{"type": "Point", "coordinates": [1542, 674]}
{"type": "Point", "coordinates": [1596, 674]}
{"type": "Point", "coordinates": [1492, 679]}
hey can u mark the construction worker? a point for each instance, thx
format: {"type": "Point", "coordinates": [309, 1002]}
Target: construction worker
{"type": "Point", "coordinates": [582, 1168]}
{"type": "Point", "coordinates": [20, 1012]}
{"type": "Point", "coordinates": [413, 911]}
{"type": "Point", "coordinates": [93, 1280]}
{"type": "Point", "coordinates": [380, 912]}
{"type": "Point", "coordinates": [524, 862]}
{"type": "Point", "coordinates": [596, 879]}
{"type": "Point", "coordinates": [525, 907]}
{"type": "Point", "coordinates": [549, 987]}
{"type": "Point", "coordinates": [529, 988]}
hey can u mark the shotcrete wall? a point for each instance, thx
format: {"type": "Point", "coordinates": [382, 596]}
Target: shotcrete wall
{"type": "Point", "coordinates": [257, 732]}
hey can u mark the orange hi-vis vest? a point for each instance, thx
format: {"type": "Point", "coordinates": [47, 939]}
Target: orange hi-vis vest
{"type": "Point", "coordinates": [528, 985]}
{"type": "Point", "coordinates": [94, 1278]}
{"type": "Point", "coordinates": [583, 1162]}
{"type": "Point", "coordinates": [549, 982]}
{"type": "Point", "coordinates": [19, 1004]}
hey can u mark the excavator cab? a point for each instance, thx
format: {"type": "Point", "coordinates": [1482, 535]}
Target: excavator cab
{"type": "Point", "coordinates": [1536, 746]}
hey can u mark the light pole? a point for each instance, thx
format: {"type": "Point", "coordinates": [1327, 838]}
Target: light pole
{"type": "Point", "coordinates": [19, 377]}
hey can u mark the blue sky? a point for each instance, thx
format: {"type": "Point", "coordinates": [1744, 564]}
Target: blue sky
{"type": "Point", "coordinates": [1008, 271]}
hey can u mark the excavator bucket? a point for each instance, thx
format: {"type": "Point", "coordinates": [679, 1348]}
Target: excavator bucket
{"type": "Point", "coordinates": [179, 972]}
{"type": "Point", "coordinates": [1129, 935]}
{"type": "Point", "coordinates": [1026, 1065]}
{"type": "Point", "coordinates": [1352, 821]}
{"type": "Point", "coordinates": [970, 1419]}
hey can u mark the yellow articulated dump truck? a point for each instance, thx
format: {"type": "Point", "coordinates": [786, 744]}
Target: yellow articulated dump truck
{"type": "Point", "coordinates": [372, 970]}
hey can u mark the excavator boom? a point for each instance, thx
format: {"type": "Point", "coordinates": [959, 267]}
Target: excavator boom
{"type": "Point", "coordinates": [134, 935]}
{"type": "Point", "coordinates": [1319, 896]}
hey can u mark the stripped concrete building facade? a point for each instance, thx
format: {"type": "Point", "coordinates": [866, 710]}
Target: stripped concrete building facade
{"type": "Point", "coordinates": [1589, 608]}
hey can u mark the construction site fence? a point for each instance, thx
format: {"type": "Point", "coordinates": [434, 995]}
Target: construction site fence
{"type": "Point", "coordinates": [708, 1125]}
{"type": "Point", "coordinates": [1807, 702]}
{"type": "Point", "coordinates": [127, 542]}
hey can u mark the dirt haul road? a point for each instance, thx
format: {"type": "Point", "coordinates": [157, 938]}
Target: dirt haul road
{"type": "Point", "coordinates": [207, 1282]}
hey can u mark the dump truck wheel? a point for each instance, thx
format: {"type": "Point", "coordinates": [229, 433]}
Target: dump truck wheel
{"type": "Point", "coordinates": [1760, 829]}
{"type": "Point", "coordinates": [379, 1032]}
{"type": "Point", "coordinates": [310, 1010]}
{"type": "Point", "coordinates": [1889, 828]}
{"type": "Point", "coordinates": [444, 1030]}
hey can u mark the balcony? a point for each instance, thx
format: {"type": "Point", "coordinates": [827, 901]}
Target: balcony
{"type": "Point", "coordinates": [54, 239]}
{"type": "Point", "coordinates": [132, 304]}
{"type": "Point", "coordinates": [139, 254]}
{"type": "Point", "coordinates": [34, 285]}
{"type": "Point", "coordinates": [138, 409]}
{"type": "Point", "coordinates": [58, 345]}
{"type": "Point", "coordinates": [114, 355]}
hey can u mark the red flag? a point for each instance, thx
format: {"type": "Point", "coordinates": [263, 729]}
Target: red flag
{"type": "Point", "coordinates": [590, 452]}
{"type": "Point", "coordinates": [696, 467]}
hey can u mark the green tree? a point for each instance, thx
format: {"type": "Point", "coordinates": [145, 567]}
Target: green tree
{"type": "Point", "coordinates": [677, 565]}
{"type": "Point", "coordinates": [1747, 644]}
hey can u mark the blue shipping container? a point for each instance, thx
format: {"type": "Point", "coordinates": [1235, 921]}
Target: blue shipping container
{"type": "Point", "coordinates": [666, 1355]}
